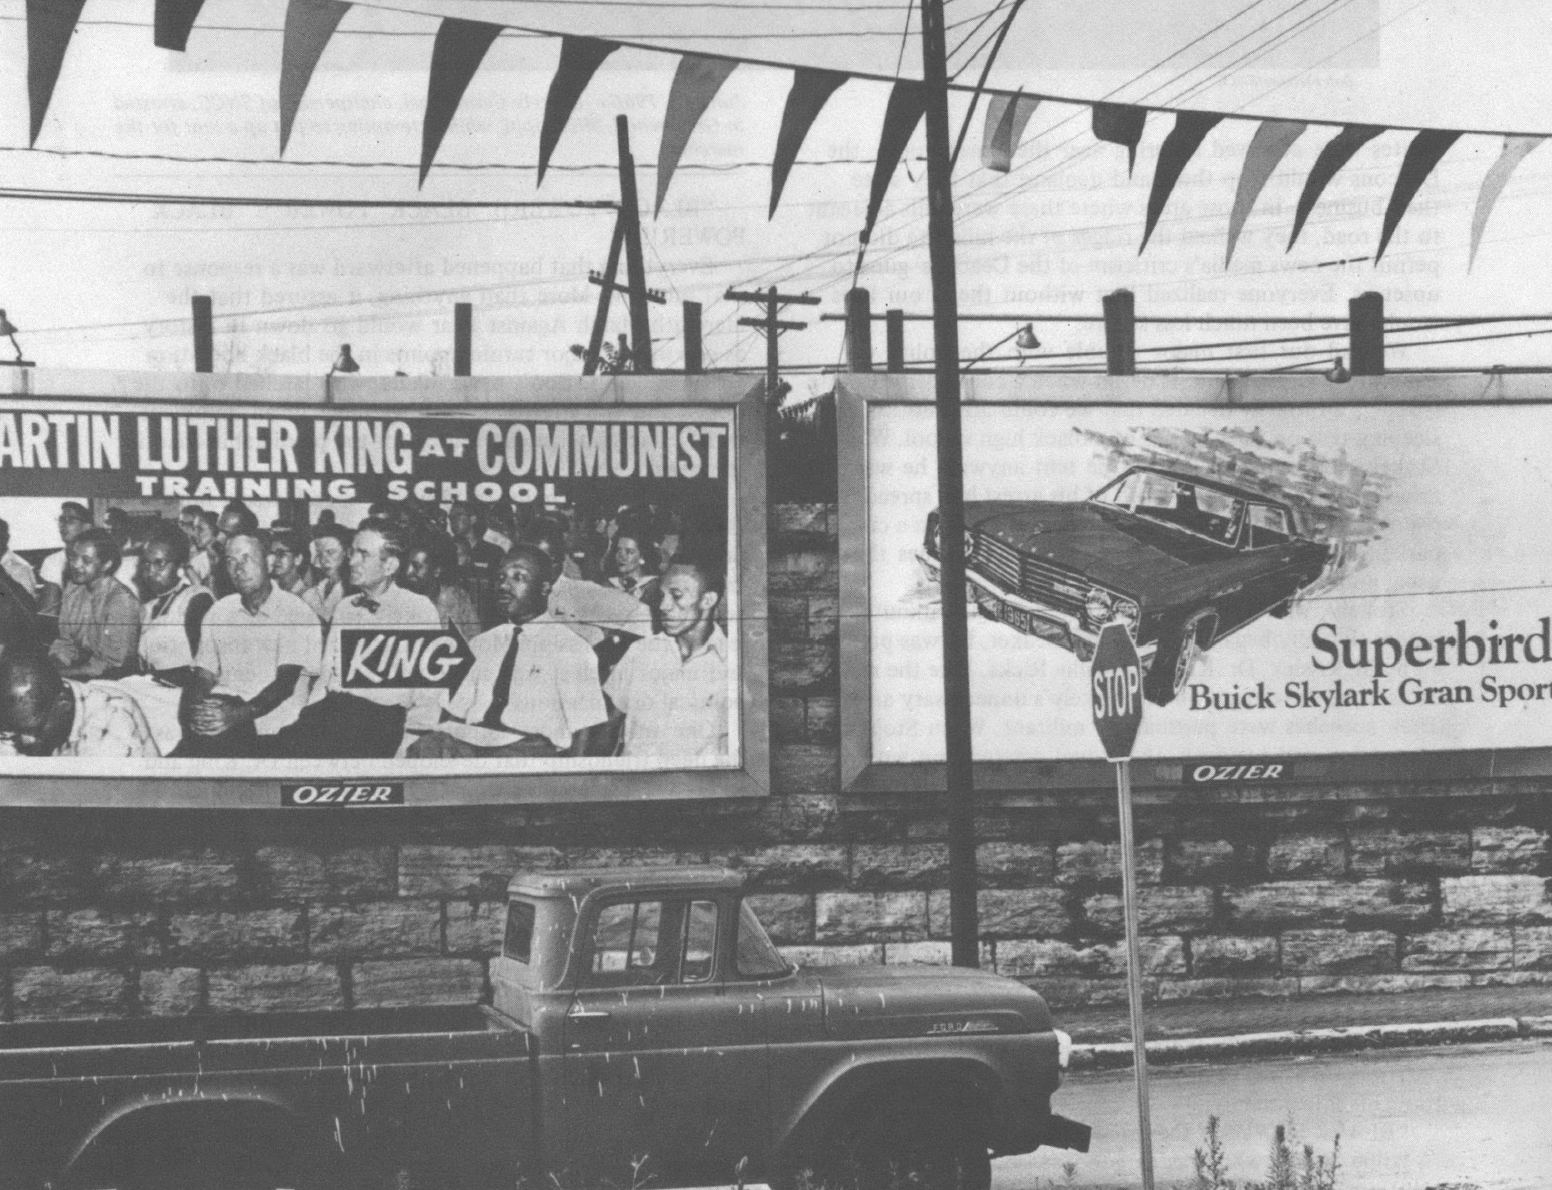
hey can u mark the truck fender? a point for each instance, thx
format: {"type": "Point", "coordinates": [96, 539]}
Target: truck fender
{"type": "Point", "coordinates": [134, 1130]}
{"type": "Point", "coordinates": [851, 1083]}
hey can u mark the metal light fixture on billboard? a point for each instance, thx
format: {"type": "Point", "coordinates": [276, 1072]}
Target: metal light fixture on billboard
{"type": "Point", "coordinates": [345, 363]}
{"type": "Point", "coordinates": [1026, 340]}
{"type": "Point", "coordinates": [1337, 373]}
{"type": "Point", "coordinates": [8, 329]}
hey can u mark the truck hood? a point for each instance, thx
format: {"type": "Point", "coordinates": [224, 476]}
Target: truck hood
{"type": "Point", "coordinates": [881, 1001]}
{"type": "Point", "coordinates": [1119, 551]}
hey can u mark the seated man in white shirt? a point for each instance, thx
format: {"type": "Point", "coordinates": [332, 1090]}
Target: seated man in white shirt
{"type": "Point", "coordinates": [258, 651]}
{"type": "Point", "coordinates": [365, 722]}
{"type": "Point", "coordinates": [533, 689]}
{"type": "Point", "coordinates": [673, 688]}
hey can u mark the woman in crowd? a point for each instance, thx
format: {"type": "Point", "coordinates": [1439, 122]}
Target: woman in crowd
{"type": "Point", "coordinates": [173, 606]}
{"type": "Point", "coordinates": [634, 558]}
{"type": "Point", "coordinates": [333, 553]}
{"type": "Point", "coordinates": [204, 557]}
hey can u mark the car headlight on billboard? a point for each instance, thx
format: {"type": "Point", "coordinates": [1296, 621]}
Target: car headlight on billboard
{"type": "Point", "coordinates": [1097, 606]}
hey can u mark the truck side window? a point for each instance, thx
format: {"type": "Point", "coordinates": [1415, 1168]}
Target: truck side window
{"type": "Point", "coordinates": [625, 945]}
{"type": "Point", "coordinates": [757, 958]}
{"type": "Point", "coordinates": [518, 943]}
{"type": "Point", "coordinates": [700, 942]}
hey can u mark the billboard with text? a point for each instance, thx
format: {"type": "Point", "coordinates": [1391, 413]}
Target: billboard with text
{"type": "Point", "coordinates": [1307, 570]}
{"type": "Point", "coordinates": [477, 590]}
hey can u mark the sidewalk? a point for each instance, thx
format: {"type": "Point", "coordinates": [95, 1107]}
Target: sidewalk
{"type": "Point", "coordinates": [1266, 1026]}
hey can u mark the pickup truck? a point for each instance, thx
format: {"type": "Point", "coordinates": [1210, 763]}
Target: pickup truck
{"type": "Point", "coordinates": [643, 1030]}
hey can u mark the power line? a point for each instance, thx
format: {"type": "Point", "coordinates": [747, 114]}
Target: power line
{"type": "Point", "coordinates": [216, 200]}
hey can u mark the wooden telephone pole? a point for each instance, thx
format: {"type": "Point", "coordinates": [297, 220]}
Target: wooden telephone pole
{"type": "Point", "coordinates": [964, 926]}
{"type": "Point", "coordinates": [627, 236]}
{"type": "Point", "coordinates": [771, 327]}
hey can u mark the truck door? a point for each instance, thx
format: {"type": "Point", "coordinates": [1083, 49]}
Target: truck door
{"type": "Point", "coordinates": [665, 1065]}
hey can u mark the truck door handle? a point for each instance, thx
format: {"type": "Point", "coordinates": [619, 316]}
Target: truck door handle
{"type": "Point", "coordinates": [585, 1015]}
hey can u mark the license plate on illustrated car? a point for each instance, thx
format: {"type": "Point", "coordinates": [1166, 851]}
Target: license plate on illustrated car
{"type": "Point", "coordinates": [1030, 623]}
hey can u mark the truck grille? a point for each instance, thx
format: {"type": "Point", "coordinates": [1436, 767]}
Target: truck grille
{"type": "Point", "coordinates": [1054, 586]}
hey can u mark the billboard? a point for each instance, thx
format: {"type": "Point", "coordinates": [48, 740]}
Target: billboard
{"type": "Point", "coordinates": [357, 592]}
{"type": "Point", "coordinates": [1322, 580]}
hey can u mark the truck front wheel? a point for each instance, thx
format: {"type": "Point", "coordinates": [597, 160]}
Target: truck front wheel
{"type": "Point", "coordinates": [895, 1147]}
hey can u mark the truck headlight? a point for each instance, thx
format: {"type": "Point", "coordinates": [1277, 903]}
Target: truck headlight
{"type": "Point", "coordinates": [1097, 607]}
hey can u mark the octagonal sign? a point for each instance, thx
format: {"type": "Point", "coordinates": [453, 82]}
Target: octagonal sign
{"type": "Point", "coordinates": [1116, 686]}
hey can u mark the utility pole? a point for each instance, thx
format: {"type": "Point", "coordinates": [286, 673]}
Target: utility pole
{"type": "Point", "coordinates": [771, 327]}
{"type": "Point", "coordinates": [635, 272]}
{"type": "Point", "coordinates": [626, 238]}
{"type": "Point", "coordinates": [964, 928]}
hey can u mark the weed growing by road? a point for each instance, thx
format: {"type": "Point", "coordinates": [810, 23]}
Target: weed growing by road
{"type": "Point", "coordinates": [1285, 1169]}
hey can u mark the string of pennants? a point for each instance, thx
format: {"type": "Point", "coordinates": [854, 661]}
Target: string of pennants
{"type": "Point", "coordinates": [460, 46]}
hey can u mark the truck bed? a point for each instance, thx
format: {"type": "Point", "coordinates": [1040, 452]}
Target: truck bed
{"type": "Point", "coordinates": [383, 1088]}
{"type": "Point", "coordinates": [361, 1022]}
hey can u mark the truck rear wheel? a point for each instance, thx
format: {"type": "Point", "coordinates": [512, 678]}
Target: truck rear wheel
{"type": "Point", "coordinates": [899, 1147]}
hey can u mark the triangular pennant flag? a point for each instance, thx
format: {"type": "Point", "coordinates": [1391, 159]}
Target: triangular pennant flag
{"type": "Point", "coordinates": [1515, 150]}
{"type": "Point", "coordinates": [1006, 116]}
{"type": "Point", "coordinates": [1271, 141]}
{"type": "Point", "coordinates": [50, 24]}
{"type": "Point", "coordinates": [1189, 130]}
{"type": "Point", "coordinates": [1120, 125]}
{"type": "Point", "coordinates": [1338, 152]}
{"type": "Point", "coordinates": [907, 102]}
{"type": "Point", "coordinates": [695, 85]}
{"type": "Point", "coordinates": [309, 25]}
{"type": "Point", "coordinates": [456, 54]}
{"type": "Point", "coordinates": [1427, 147]}
{"type": "Point", "coordinates": [579, 58]}
{"type": "Point", "coordinates": [811, 89]}
{"type": "Point", "coordinates": [173, 20]}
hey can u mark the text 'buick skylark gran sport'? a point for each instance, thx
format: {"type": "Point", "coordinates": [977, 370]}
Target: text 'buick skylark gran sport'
{"type": "Point", "coordinates": [1182, 560]}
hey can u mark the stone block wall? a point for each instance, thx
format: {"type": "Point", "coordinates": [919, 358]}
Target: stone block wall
{"type": "Point", "coordinates": [156, 912]}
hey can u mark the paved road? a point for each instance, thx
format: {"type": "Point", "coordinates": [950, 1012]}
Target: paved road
{"type": "Point", "coordinates": [1457, 1117]}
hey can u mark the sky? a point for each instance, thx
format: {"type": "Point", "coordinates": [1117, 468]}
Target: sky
{"type": "Point", "coordinates": [92, 285]}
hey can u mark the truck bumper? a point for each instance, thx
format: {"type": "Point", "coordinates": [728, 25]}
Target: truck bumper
{"type": "Point", "coordinates": [1062, 1133]}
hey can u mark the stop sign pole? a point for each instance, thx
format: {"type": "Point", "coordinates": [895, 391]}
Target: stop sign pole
{"type": "Point", "coordinates": [1116, 686]}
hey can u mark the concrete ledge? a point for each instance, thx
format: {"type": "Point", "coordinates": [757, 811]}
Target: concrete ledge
{"type": "Point", "coordinates": [1118, 1055]}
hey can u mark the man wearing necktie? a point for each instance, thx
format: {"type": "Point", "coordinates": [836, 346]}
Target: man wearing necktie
{"type": "Point", "coordinates": [533, 689]}
{"type": "Point", "coordinates": [367, 723]}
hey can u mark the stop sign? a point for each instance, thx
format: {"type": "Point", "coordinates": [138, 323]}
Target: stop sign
{"type": "Point", "coordinates": [1115, 680]}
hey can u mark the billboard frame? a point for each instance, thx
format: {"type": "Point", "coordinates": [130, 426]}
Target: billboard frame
{"type": "Point", "coordinates": [1036, 782]}
{"type": "Point", "coordinates": [748, 776]}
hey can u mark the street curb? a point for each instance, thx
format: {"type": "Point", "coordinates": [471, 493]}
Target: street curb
{"type": "Point", "coordinates": [1116, 1055]}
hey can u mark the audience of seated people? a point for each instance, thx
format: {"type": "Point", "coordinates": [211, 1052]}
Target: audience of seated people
{"type": "Point", "coordinates": [219, 639]}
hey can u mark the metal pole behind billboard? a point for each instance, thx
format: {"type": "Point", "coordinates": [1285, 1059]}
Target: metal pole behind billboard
{"type": "Point", "coordinates": [963, 918]}
{"type": "Point", "coordinates": [1123, 770]}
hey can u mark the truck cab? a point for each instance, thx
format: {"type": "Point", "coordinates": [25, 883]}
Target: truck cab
{"type": "Point", "coordinates": [690, 1050]}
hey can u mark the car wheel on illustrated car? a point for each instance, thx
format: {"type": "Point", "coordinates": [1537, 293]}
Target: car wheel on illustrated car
{"type": "Point", "coordinates": [1176, 657]}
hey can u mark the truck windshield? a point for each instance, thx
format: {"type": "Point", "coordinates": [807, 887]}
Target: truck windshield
{"type": "Point", "coordinates": [757, 958]}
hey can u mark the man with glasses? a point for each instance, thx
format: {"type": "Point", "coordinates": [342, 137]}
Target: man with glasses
{"type": "Point", "coordinates": [73, 519]}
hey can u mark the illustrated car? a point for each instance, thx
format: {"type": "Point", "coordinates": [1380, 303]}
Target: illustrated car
{"type": "Point", "coordinates": [644, 1031]}
{"type": "Point", "coordinates": [1182, 560]}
